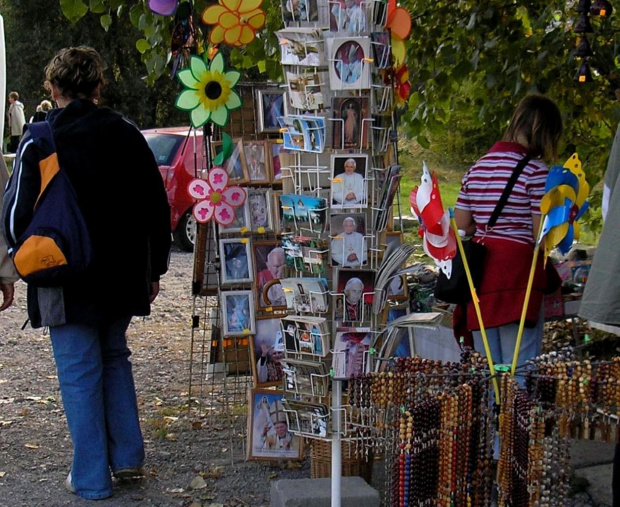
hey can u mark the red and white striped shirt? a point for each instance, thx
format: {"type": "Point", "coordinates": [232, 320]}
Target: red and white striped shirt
{"type": "Point", "coordinates": [484, 182]}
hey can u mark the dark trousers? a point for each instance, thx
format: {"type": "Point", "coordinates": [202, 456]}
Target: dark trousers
{"type": "Point", "coordinates": [13, 144]}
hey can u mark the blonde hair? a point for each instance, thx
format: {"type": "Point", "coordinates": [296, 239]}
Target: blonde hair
{"type": "Point", "coordinates": [77, 72]}
{"type": "Point", "coordinates": [45, 105]}
{"type": "Point", "coordinates": [536, 121]}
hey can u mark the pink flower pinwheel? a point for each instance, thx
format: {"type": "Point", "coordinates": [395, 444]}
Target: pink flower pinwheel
{"type": "Point", "coordinates": [215, 200]}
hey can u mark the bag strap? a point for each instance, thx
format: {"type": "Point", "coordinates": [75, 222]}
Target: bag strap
{"type": "Point", "coordinates": [506, 193]}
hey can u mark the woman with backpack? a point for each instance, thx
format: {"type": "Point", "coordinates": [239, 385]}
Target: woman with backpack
{"type": "Point", "coordinates": [123, 202]}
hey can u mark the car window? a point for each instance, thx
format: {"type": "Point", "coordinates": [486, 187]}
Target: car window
{"type": "Point", "coordinates": [164, 147]}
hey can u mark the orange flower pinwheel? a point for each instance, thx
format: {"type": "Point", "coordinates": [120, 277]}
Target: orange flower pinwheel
{"type": "Point", "coordinates": [236, 21]}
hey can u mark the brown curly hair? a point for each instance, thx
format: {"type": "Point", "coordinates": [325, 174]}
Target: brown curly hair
{"type": "Point", "coordinates": [77, 72]}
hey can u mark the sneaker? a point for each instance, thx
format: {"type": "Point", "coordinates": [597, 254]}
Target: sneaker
{"type": "Point", "coordinates": [68, 484]}
{"type": "Point", "coordinates": [129, 473]}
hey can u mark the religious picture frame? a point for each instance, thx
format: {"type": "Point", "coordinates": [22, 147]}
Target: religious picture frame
{"type": "Point", "coordinates": [272, 104]}
{"type": "Point", "coordinates": [237, 313]}
{"type": "Point", "coordinates": [260, 203]}
{"type": "Point", "coordinates": [274, 148]}
{"type": "Point", "coordinates": [269, 261]}
{"type": "Point", "coordinates": [236, 259]}
{"type": "Point", "coordinates": [257, 161]}
{"type": "Point", "coordinates": [269, 437]}
{"type": "Point", "coordinates": [267, 352]}
{"type": "Point", "coordinates": [241, 222]}
{"type": "Point", "coordinates": [235, 165]}
{"type": "Point", "coordinates": [349, 183]}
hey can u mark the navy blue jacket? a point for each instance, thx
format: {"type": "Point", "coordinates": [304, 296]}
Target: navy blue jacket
{"type": "Point", "coordinates": [123, 200]}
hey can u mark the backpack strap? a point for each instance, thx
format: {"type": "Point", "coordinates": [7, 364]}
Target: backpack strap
{"type": "Point", "coordinates": [41, 133]}
{"type": "Point", "coordinates": [43, 138]}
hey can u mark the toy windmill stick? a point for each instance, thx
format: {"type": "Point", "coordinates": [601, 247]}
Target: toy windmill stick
{"type": "Point", "coordinates": [564, 202]}
{"type": "Point", "coordinates": [526, 302]}
{"type": "Point", "coordinates": [476, 301]}
{"type": "Point", "coordinates": [440, 239]}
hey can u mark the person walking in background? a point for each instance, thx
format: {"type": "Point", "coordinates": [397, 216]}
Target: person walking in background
{"type": "Point", "coordinates": [16, 119]}
{"type": "Point", "coordinates": [535, 131]}
{"type": "Point", "coordinates": [41, 111]}
{"type": "Point", "coordinates": [600, 303]}
{"type": "Point", "coordinates": [88, 318]}
{"type": "Point", "coordinates": [8, 275]}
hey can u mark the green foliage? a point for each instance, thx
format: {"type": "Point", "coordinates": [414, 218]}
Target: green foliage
{"type": "Point", "coordinates": [35, 30]}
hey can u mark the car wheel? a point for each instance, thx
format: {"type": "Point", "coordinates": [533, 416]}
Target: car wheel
{"type": "Point", "coordinates": [185, 234]}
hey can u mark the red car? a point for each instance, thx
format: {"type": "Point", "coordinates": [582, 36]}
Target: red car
{"type": "Point", "coordinates": [178, 156]}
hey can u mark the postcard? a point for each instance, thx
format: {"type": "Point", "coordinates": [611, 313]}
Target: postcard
{"type": "Point", "coordinates": [301, 46]}
{"type": "Point", "coordinates": [351, 123]}
{"type": "Point", "coordinates": [351, 356]}
{"type": "Point", "coordinates": [303, 212]}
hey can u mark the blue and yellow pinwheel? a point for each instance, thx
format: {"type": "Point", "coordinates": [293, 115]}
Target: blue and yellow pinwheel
{"type": "Point", "coordinates": [563, 204]}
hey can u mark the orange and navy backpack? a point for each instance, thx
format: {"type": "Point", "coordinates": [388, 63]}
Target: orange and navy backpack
{"type": "Point", "coordinates": [55, 247]}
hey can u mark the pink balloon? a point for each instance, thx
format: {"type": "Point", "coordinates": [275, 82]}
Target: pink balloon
{"type": "Point", "coordinates": [163, 7]}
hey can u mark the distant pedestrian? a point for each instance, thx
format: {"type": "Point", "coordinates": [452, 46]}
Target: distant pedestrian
{"type": "Point", "coordinates": [16, 119]}
{"type": "Point", "coordinates": [41, 112]}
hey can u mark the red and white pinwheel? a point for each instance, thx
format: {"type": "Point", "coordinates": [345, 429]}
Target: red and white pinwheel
{"type": "Point", "coordinates": [215, 200]}
{"type": "Point", "coordinates": [438, 237]}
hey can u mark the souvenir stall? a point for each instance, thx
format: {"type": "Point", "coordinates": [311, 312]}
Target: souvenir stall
{"type": "Point", "coordinates": [301, 300]}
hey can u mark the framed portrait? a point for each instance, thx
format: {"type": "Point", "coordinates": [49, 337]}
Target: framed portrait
{"type": "Point", "coordinates": [259, 203]}
{"type": "Point", "coordinates": [351, 123]}
{"type": "Point", "coordinates": [257, 161]}
{"type": "Point", "coordinates": [276, 215]}
{"type": "Point", "coordinates": [397, 289]}
{"type": "Point", "coordinates": [236, 259]}
{"type": "Point", "coordinates": [237, 312]}
{"type": "Point", "coordinates": [274, 148]}
{"type": "Point", "coordinates": [388, 241]}
{"type": "Point", "coordinates": [300, 11]}
{"type": "Point", "coordinates": [267, 348]}
{"type": "Point", "coordinates": [357, 287]}
{"type": "Point", "coordinates": [235, 165]}
{"type": "Point", "coordinates": [348, 246]}
{"type": "Point", "coordinates": [269, 437]}
{"type": "Point", "coordinates": [241, 222]}
{"type": "Point", "coordinates": [271, 105]}
{"type": "Point", "coordinates": [348, 63]}
{"type": "Point", "coordinates": [269, 262]}
{"type": "Point", "coordinates": [349, 188]}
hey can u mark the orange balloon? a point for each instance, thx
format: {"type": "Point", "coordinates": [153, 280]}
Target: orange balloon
{"type": "Point", "coordinates": [399, 21]}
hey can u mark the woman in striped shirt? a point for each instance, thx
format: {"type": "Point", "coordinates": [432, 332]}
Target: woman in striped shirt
{"type": "Point", "coordinates": [534, 130]}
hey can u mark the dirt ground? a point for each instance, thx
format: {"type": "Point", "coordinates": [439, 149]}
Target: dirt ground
{"type": "Point", "coordinates": [190, 461]}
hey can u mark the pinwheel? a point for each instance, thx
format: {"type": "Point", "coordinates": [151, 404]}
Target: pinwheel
{"type": "Point", "coordinates": [438, 238]}
{"type": "Point", "coordinates": [236, 21]}
{"type": "Point", "coordinates": [563, 204]}
{"type": "Point", "coordinates": [215, 199]}
{"type": "Point", "coordinates": [209, 91]}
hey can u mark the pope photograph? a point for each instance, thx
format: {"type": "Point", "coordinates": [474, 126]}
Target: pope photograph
{"type": "Point", "coordinates": [349, 185]}
{"type": "Point", "coordinates": [348, 244]}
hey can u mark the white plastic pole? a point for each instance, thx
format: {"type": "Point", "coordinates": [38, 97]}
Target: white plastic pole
{"type": "Point", "coordinates": [2, 78]}
{"type": "Point", "coordinates": [336, 442]}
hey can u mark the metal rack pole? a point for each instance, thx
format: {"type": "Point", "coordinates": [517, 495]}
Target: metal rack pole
{"type": "Point", "coordinates": [336, 442]}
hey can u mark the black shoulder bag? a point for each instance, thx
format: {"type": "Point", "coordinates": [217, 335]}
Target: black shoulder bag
{"type": "Point", "coordinates": [456, 289]}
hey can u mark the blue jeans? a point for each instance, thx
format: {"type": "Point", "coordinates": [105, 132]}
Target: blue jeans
{"type": "Point", "coordinates": [98, 393]}
{"type": "Point", "coordinates": [503, 340]}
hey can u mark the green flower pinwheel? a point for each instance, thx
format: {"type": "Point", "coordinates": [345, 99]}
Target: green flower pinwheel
{"type": "Point", "coordinates": [209, 91]}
